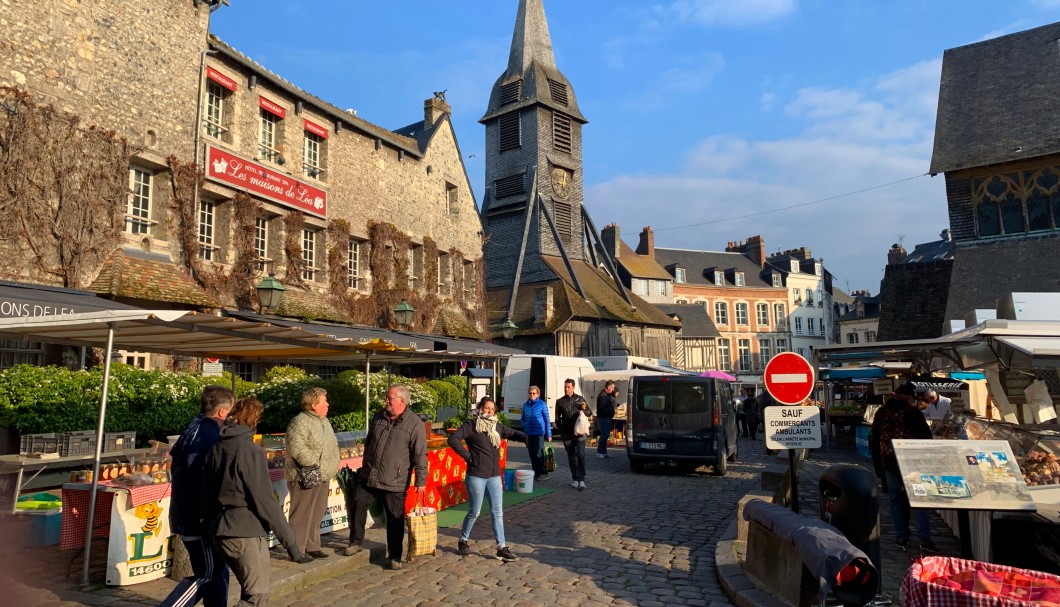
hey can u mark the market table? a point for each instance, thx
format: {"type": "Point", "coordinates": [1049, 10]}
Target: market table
{"type": "Point", "coordinates": [14, 470]}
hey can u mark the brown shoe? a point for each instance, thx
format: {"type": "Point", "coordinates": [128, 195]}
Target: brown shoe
{"type": "Point", "coordinates": [352, 549]}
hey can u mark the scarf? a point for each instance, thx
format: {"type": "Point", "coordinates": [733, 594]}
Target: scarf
{"type": "Point", "coordinates": [487, 424]}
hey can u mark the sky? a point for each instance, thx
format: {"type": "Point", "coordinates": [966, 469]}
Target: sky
{"type": "Point", "coordinates": [808, 122]}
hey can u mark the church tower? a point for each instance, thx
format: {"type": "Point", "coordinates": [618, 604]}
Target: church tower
{"type": "Point", "coordinates": [534, 193]}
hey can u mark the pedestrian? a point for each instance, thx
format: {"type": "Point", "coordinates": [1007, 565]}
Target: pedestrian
{"type": "Point", "coordinates": [751, 412]}
{"type": "Point", "coordinates": [934, 407]}
{"type": "Point", "coordinates": [310, 442]}
{"type": "Point", "coordinates": [239, 505]}
{"type": "Point", "coordinates": [395, 446]}
{"type": "Point", "coordinates": [898, 418]}
{"type": "Point", "coordinates": [741, 417]}
{"type": "Point", "coordinates": [483, 435]}
{"type": "Point", "coordinates": [569, 408]}
{"type": "Point", "coordinates": [605, 418]}
{"type": "Point", "coordinates": [535, 423]}
{"type": "Point", "coordinates": [209, 579]}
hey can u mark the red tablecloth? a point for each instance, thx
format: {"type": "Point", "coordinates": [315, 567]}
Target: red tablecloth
{"type": "Point", "coordinates": [75, 515]}
{"type": "Point", "coordinates": [445, 486]}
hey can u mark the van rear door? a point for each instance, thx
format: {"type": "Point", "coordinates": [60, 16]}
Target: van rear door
{"type": "Point", "coordinates": [650, 415]}
{"type": "Point", "coordinates": [692, 403]}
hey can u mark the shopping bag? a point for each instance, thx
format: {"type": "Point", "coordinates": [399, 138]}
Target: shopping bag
{"type": "Point", "coordinates": [953, 582]}
{"type": "Point", "coordinates": [550, 459]}
{"type": "Point", "coordinates": [422, 525]}
{"type": "Point", "coordinates": [581, 425]}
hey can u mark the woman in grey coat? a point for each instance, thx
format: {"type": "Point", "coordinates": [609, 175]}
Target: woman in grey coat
{"type": "Point", "coordinates": [310, 441]}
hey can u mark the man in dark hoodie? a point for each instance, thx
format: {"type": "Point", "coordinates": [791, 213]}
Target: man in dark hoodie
{"type": "Point", "coordinates": [568, 408]}
{"type": "Point", "coordinates": [898, 418]}
{"type": "Point", "coordinates": [209, 581]}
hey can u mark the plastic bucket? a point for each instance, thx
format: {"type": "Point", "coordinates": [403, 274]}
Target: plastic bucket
{"type": "Point", "coordinates": [524, 481]}
{"type": "Point", "coordinates": [509, 480]}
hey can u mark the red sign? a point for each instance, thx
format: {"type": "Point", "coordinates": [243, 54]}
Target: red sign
{"type": "Point", "coordinates": [232, 170]}
{"type": "Point", "coordinates": [316, 129]}
{"type": "Point", "coordinates": [789, 378]}
{"type": "Point", "coordinates": [221, 79]}
{"type": "Point", "coordinates": [271, 107]}
{"type": "Point", "coordinates": [212, 360]}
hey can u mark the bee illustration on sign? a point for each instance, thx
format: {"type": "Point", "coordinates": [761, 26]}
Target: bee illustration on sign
{"type": "Point", "coordinates": [150, 513]}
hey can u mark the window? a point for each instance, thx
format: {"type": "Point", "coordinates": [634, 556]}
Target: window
{"type": "Point", "coordinates": [682, 301]}
{"type": "Point", "coordinates": [312, 154]}
{"type": "Point", "coordinates": [14, 352]}
{"type": "Point", "coordinates": [802, 352]}
{"type": "Point", "coordinates": [742, 311]}
{"type": "Point", "coordinates": [721, 313]}
{"type": "Point", "coordinates": [242, 370]}
{"type": "Point", "coordinates": [510, 137]}
{"type": "Point", "coordinates": [445, 274]}
{"type": "Point", "coordinates": [512, 185]}
{"type": "Point", "coordinates": [679, 274]}
{"type": "Point", "coordinates": [415, 272]}
{"type": "Point", "coordinates": [356, 263]}
{"type": "Point", "coordinates": [451, 197]}
{"type": "Point", "coordinates": [820, 322]}
{"type": "Point", "coordinates": [780, 315]}
{"type": "Point", "coordinates": [213, 119]}
{"type": "Point", "coordinates": [261, 241]}
{"type": "Point", "coordinates": [510, 92]}
{"type": "Point", "coordinates": [719, 278]}
{"type": "Point", "coordinates": [817, 269]}
{"type": "Point", "coordinates": [309, 254]}
{"type": "Point", "coordinates": [562, 133]}
{"type": "Point", "coordinates": [724, 355]}
{"type": "Point", "coordinates": [762, 314]}
{"type": "Point", "coordinates": [563, 214]}
{"type": "Point", "coordinates": [660, 287]}
{"type": "Point", "coordinates": [743, 350]}
{"type": "Point", "coordinates": [558, 91]}
{"type": "Point", "coordinates": [469, 278]}
{"type": "Point", "coordinates": [765, 351]}
{"type": "Point", "coordinates": [268, 136]}
{"type": "Point", "coordinates": [738, 279]}
{"type": "Point", "coordinates": [782, 345]}
{"type": "Point", "coordinates": [798, 325]}
{"type": "Point", "coordinates": [137, 220]}
{"type": "Point", "coordinates": [809, 297]}
{"type": "Point", "coordinates": [794, 266]}
{"type": "Point", "coordinates": [852, 338]}
{"type": "Point", "coordinates": [811, 328]}
{"type": "Point", "coordinates": [206, 230]}
{"type": "Point", "coordinates": [640, 286]}
{"type": "Point", "coordinates": [870, 336]}
{"type": "Point", "coordinates": [776, 280]}
{"type": "Point", "coordinates": [797, 293]}
{"type": "Point", "coordinates": [1017, 202]}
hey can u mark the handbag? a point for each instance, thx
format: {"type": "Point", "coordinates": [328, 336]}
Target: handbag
{"type": "Point", "coordinates": [581, 425]}
{"type": "Point", "coordinates": [550, 458]}
{"type": "Point", "coordinates": [309, 476]}
{"type": "Point", "coordinates": [422, 526]}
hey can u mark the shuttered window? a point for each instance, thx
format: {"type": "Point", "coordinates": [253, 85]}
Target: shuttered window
{"type": "Point", "coordinates": [564, 217]}
{"type": "Point", "coordinates": [561, 133]}
{"type": "Point", "coordinates": [510, 92]}
{"type": "Point", "coordinates": [558, 90]}
{"type": "Point", "coordinates": [510, 135]}
{"type": "Point", "coordinates": [506, 187]}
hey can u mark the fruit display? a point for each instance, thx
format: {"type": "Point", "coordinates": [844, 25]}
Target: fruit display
{"type": "Point", "coordinates": [1040, 468]}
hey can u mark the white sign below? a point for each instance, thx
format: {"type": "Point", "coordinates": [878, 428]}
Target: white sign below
{"type": "Point", "coordinates": [792, 427]}
{"type": "Point", "coordinates": [213, 369]}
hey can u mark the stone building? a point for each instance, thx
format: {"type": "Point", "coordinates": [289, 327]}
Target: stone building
{"type": "Point", "coordinates": [352, 217]}
{"type": "Point", "coordinates": [861, 323]}
{"type": "Point", "coordinates": [545, 273]}
{"type": "Point", "coordinates": [809, 287]}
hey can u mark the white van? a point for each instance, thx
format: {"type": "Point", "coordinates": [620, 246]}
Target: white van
{"type": "Point", "coordinates": [548, 373]}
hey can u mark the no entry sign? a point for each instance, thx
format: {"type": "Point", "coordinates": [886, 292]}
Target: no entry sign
{"type": "Point", "coordinates": [789, 378]}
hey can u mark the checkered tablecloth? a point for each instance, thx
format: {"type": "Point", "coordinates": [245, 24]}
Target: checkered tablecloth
{"type": "Point", "coordinates": [75, 516]}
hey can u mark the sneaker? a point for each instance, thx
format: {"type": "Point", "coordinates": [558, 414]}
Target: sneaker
{"type": "Point", "coordinates": [504, 554]}
{"type": "Point", "coordinates": [901, 542]}
{"type": "Point", "coordinates": [318, 554]}
{"type": "Point", "coordinates": [542, 477]}
{"type": "Point", "coordinates": [393, 564]}
{"type": "Point", "coordinates": [352, 549]}
{"type": "Point", "coordinates": [574, 484]}
{"type": "Point", "coordinates": [601, 455]}
{"type": "Point", "coordinates": [581, 485]}
{"type": "Point", "coordinates": [463, 548]}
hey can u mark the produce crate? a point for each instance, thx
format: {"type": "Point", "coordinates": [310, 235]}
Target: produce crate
{"type": "Point", "coordinates": [82, 442]}
{"type": "Point", "coordinates": [118, 441]}
{"type": "Point", "coordinates": [38, 443]}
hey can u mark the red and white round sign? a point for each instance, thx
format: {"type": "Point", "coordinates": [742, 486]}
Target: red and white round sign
{"type": "Point", "coordinates": [212, 360]}
{"type": "Point", "coordinates": [789, 378]}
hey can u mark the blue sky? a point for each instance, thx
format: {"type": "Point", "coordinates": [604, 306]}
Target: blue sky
{"type": "Point", "coordinates": [704, 115]}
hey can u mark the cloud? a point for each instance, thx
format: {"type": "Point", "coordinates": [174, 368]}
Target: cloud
{"type": "Point", "coordinates": [850, 140]}
{"type": "Point", "coordinates": [730, 13]}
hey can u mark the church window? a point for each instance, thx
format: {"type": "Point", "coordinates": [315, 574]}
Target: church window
{"type": "Point", "coordinates": [564, 218]}
{"type": "Point", "coordinates": [1015, 203]}
{"type": "Point", "coordinates": [512, 185]}
{"type": "Point", "coordinates": [558, 90]}
{"type": "Point", "coordinates": [510, 92]}
{"type": "Point", "coordinates": [511, 138]}
{"type": "Point", "coordinates": [562, 140]}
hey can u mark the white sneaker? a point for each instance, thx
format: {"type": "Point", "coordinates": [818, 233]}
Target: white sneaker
{"type": "Point", "coordinates": [600, 456]}
{"type": "Point", "coordinates": [581, 484]}
{"type": "Point", "coordinates": [574, 484]}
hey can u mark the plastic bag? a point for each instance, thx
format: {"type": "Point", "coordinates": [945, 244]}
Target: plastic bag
{"type": "Point", "coordinates": [550, 459]}
{"type": "Point", "coordinates": [423, 532]}
{"type": "Point", "coordinates": [581, 425]}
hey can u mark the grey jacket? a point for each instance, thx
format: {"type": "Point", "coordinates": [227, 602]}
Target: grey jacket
{"type": "Point", "coordinates": [310, 440]}
{"type": "Point", "coordinates": [392, 450]}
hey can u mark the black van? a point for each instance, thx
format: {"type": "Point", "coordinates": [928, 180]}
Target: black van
{"type": "Point", "coordinates": [683, 421]}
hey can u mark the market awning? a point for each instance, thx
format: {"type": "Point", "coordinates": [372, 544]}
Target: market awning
{"type": "Point", "coordinates": [21, 300]}
{"type": "Point", "coordinates": [662, 369]}
{"type": "Point", "coordinates": [852, 373]}
{"type": "Point", "coordinates": [1030, 351]}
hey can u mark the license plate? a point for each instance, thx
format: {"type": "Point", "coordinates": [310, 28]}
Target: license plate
{"type": "Point", "coordinates": [653, 445]}
{"type": "Point", "coordinates": [515, 411]}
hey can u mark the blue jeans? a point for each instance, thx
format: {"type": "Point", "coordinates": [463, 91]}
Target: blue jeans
{"type": "Point", "coordinates": [603, 424]}
{"type": "Point", "coordinates": [476, 486]}
{"type": "Point", "coordinates": [900, 509]}
{"type": "Point", "coordinates": [535, 445]}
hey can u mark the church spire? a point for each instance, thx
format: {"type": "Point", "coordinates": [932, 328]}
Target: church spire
{"type": "Point", "coordinates": [531, 42]}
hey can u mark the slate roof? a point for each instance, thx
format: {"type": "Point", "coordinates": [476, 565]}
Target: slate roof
{"type": "Point", "coordinates": [135, 274]}
{"type": "Point", "coordinates": [640, 266]}
{"type": "Point", "coordinates": [696, 262]}
{"type": "Point", "coordinates": [913, 300]}
{"type": "Point", "coordinates": [604, 301]}
{"type": "Point", "coordinates": [695, 321]}
{"type": "Point", "coordinates": [992, 97]}
{"type": "Point", "coordinates": [935, 250]}
{"type": "Point", "coordinates": [839, 296]}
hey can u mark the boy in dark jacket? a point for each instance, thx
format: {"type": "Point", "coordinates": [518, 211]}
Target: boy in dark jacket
{"type": "Point", "coordinates": [568, 409]}
{"type": "Point", "coordinates": [209, 580]}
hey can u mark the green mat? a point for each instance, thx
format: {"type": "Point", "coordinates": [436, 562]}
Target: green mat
{"type": "Point", "coordinates": [454, 517]}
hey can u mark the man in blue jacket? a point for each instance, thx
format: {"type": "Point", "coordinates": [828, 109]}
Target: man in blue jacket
{"type": "Point", "coordinates": [538, 429]}
{"type": "Point", "coordinates": [209, 580]}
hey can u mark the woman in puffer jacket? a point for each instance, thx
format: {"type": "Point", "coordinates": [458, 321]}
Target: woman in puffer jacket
{"type": "Point", "coordinates": [538, 428]}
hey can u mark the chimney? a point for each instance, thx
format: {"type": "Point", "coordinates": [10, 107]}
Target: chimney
{"type": "Point", "coordinates": [544, 307]}
{"type": "Point", "coordinates": [433, 109]}
{"type": "Point", "coordinates": [609, 236]}
{"type": "Point", "coordinates": [647, 242]}
{"type": "Point", "coordinates": [945, 235]}
{"type": "Point", "coordinates": [896, 255]}
{"type": "Point", "coordinates": [755, 249]}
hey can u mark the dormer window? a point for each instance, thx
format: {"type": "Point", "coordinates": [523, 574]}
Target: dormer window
{"type": "Point", "coordinates": [679, 275]}
{"type": "Point", "coordinates": [794, 266]}
{"type": "Point", "coordinates": [719, 278]}
{"type": "Point", "coordinates": [776, 280]}
{"type": "Point", "coordinates": [817, 269]}
{"type": "Point", "coordinates": [738, 279]}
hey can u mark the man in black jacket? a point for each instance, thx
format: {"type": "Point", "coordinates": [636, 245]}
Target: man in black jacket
{"type": "Point", "coordinates": [209, 580]}
{"type": "Point", "coordinates": [605, 415]}
{"type": "Point", "coordinates": [568, 409]}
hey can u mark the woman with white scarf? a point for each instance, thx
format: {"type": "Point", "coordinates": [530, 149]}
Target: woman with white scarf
{"type": "Point", "coordinates": [482, 435]}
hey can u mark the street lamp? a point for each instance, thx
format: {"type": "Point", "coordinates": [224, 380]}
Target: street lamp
{"type": "Point", "coordinates": [270, 291]}
{"type": "Point", "coordinates": [403, 313]}
{"type": "Point", "coordinates": [509, 328]}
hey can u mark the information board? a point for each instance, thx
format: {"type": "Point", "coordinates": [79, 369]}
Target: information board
{"type": "Point", "coordinates": [213, 369]}
{"type": "Point", "coordinates": [792, 427]}
{"type": "Point", "coordinates": [962, 474]}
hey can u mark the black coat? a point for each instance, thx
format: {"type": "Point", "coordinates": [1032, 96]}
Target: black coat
{"type": "Point", "coordinates": [567, 409]}
{"type": "Point", "coordinates": [483, 459]}
{"type": "Point", "coordinates": [189, 460]}
{"type": "Point", "coordinates": [605, 405]}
